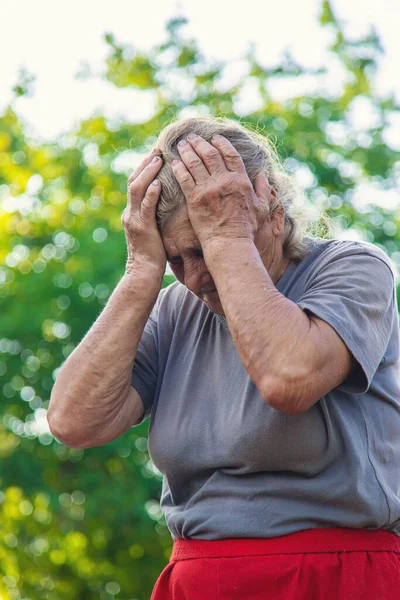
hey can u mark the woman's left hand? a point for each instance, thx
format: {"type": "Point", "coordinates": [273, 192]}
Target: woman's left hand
{"type": "Point", "coordinates": [222, 203]}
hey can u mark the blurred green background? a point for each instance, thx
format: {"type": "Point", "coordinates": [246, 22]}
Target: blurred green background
{"type": "Point", "coordinates": [86, 524]}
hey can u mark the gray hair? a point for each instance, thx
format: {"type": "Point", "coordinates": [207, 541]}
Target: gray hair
{"type": "Point", "coordinates": [258, 156]}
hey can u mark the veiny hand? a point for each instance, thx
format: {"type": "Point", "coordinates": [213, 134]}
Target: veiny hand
{"type": "Point", "coordinates": [221, 200]}
{"type": "Point", "coordinates": [145, 246]}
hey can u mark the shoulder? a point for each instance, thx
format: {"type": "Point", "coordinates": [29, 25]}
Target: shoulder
{"type": "Point", "coordinates": [345, 254]}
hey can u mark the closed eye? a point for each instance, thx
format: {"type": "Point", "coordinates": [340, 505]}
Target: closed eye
{"type": "Point", "coordinates": [177, 260]}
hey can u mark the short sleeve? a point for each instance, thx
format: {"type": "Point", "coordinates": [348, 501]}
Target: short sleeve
{"type": "Point", "coordinates": [145, 367]}
{"type": "Point", "coordinates": [354, 292]}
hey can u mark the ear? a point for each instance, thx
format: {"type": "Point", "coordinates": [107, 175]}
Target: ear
{"type": "Point", "coordinates": [261, 186]}
{"type": "Point", "coordinates": [278, 220]}
{"type": "Point", "coordinates": [264, 189]}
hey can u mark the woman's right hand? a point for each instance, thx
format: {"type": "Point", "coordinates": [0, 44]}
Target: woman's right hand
{"type": "Point", "coordinates": [145, 246]}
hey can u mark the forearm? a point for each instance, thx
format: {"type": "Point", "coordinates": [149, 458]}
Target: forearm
{"type": "Point", "coordinates": [94, 382]}
{"type": "Point", "coordinates": [270, 332]}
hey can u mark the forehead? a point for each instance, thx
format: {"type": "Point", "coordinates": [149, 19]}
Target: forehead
{"type": "Point", "coordinates": [178, 233]}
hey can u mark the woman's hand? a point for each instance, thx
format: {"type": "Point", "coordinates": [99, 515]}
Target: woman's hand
{"type": "Point", "coordinates": [145, 246]}
{"type": "Point", "coordinates": [221, 200]}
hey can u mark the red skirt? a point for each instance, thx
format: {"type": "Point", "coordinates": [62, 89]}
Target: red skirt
{"type": "Point", "coordinates": [315, 564]}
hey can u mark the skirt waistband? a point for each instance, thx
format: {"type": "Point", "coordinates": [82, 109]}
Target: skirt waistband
{"type": "Point", "coordinates": [327, 540]}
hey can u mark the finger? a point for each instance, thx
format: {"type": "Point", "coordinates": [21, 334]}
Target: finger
{"type": "Point", "coordinates": [138, 187]}
{"type": "Point", "coordinates": [155, 152]}
{"type": "Point", "coordinates": [149, 202]}
{"type": "Point", "coordinates": [193, 162]}
{"type": "Point", "coordinates": [184, 178]}
{"type": "Point", "coordinates": [231, 156]}
{"type": "Point", "coordinates": [210, 155]}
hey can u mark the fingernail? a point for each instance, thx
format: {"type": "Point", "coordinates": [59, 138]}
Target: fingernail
{"type": "Point", "coordinates": [155, 159]}
{"type": "Point", "coordinates": [182, 143]}
{"type": "Point", "coordinates": [155, 182]}
{"type": "Point", "coordinates": [192, 136]}
{"type": "Point", "coordinates": [175, 162]}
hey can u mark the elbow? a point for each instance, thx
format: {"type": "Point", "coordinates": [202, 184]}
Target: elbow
{"type": "Point", "coordinates": [288, 397]}
{"type": "Point", "coordinates": [62, 433]}
{"type": "Point", "coordinates": [57, 432]}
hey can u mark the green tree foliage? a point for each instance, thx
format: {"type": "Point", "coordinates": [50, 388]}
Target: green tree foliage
{"type": "Point", "coordinates": [86, 524]}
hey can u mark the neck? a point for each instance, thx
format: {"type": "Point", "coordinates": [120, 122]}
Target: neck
{"type": "Point", "coordinates": [274, 261]}
{"type": "Point", "coordinates": [284, 265]}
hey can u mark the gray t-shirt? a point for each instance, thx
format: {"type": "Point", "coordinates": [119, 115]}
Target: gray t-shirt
{"type": "Point", "coordinates": [235, 467]}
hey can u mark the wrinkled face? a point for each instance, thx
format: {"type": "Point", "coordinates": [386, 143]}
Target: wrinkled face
{"type": "Point", "coordinates": [185, 258]}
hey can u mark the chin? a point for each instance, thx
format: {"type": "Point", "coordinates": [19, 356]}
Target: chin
{"type": "Point", "coordinates": [219, 311]}
{"type": "Point", "coordinates": [214, 305]}
{"type": "Point", "coordinates": [216, 308]}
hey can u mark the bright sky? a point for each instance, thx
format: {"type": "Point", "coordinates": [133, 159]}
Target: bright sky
{"type": "Point", "coordinates": [51, 39]}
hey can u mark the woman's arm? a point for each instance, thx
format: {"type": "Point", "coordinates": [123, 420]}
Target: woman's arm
{"type": "Point", "coordinates": [294, 359]}
{"type": "Point", "coordinates": [91, 402]}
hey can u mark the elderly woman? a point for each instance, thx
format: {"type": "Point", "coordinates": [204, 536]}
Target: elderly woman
{"type": "Point", "coordinates": [270, 371]}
